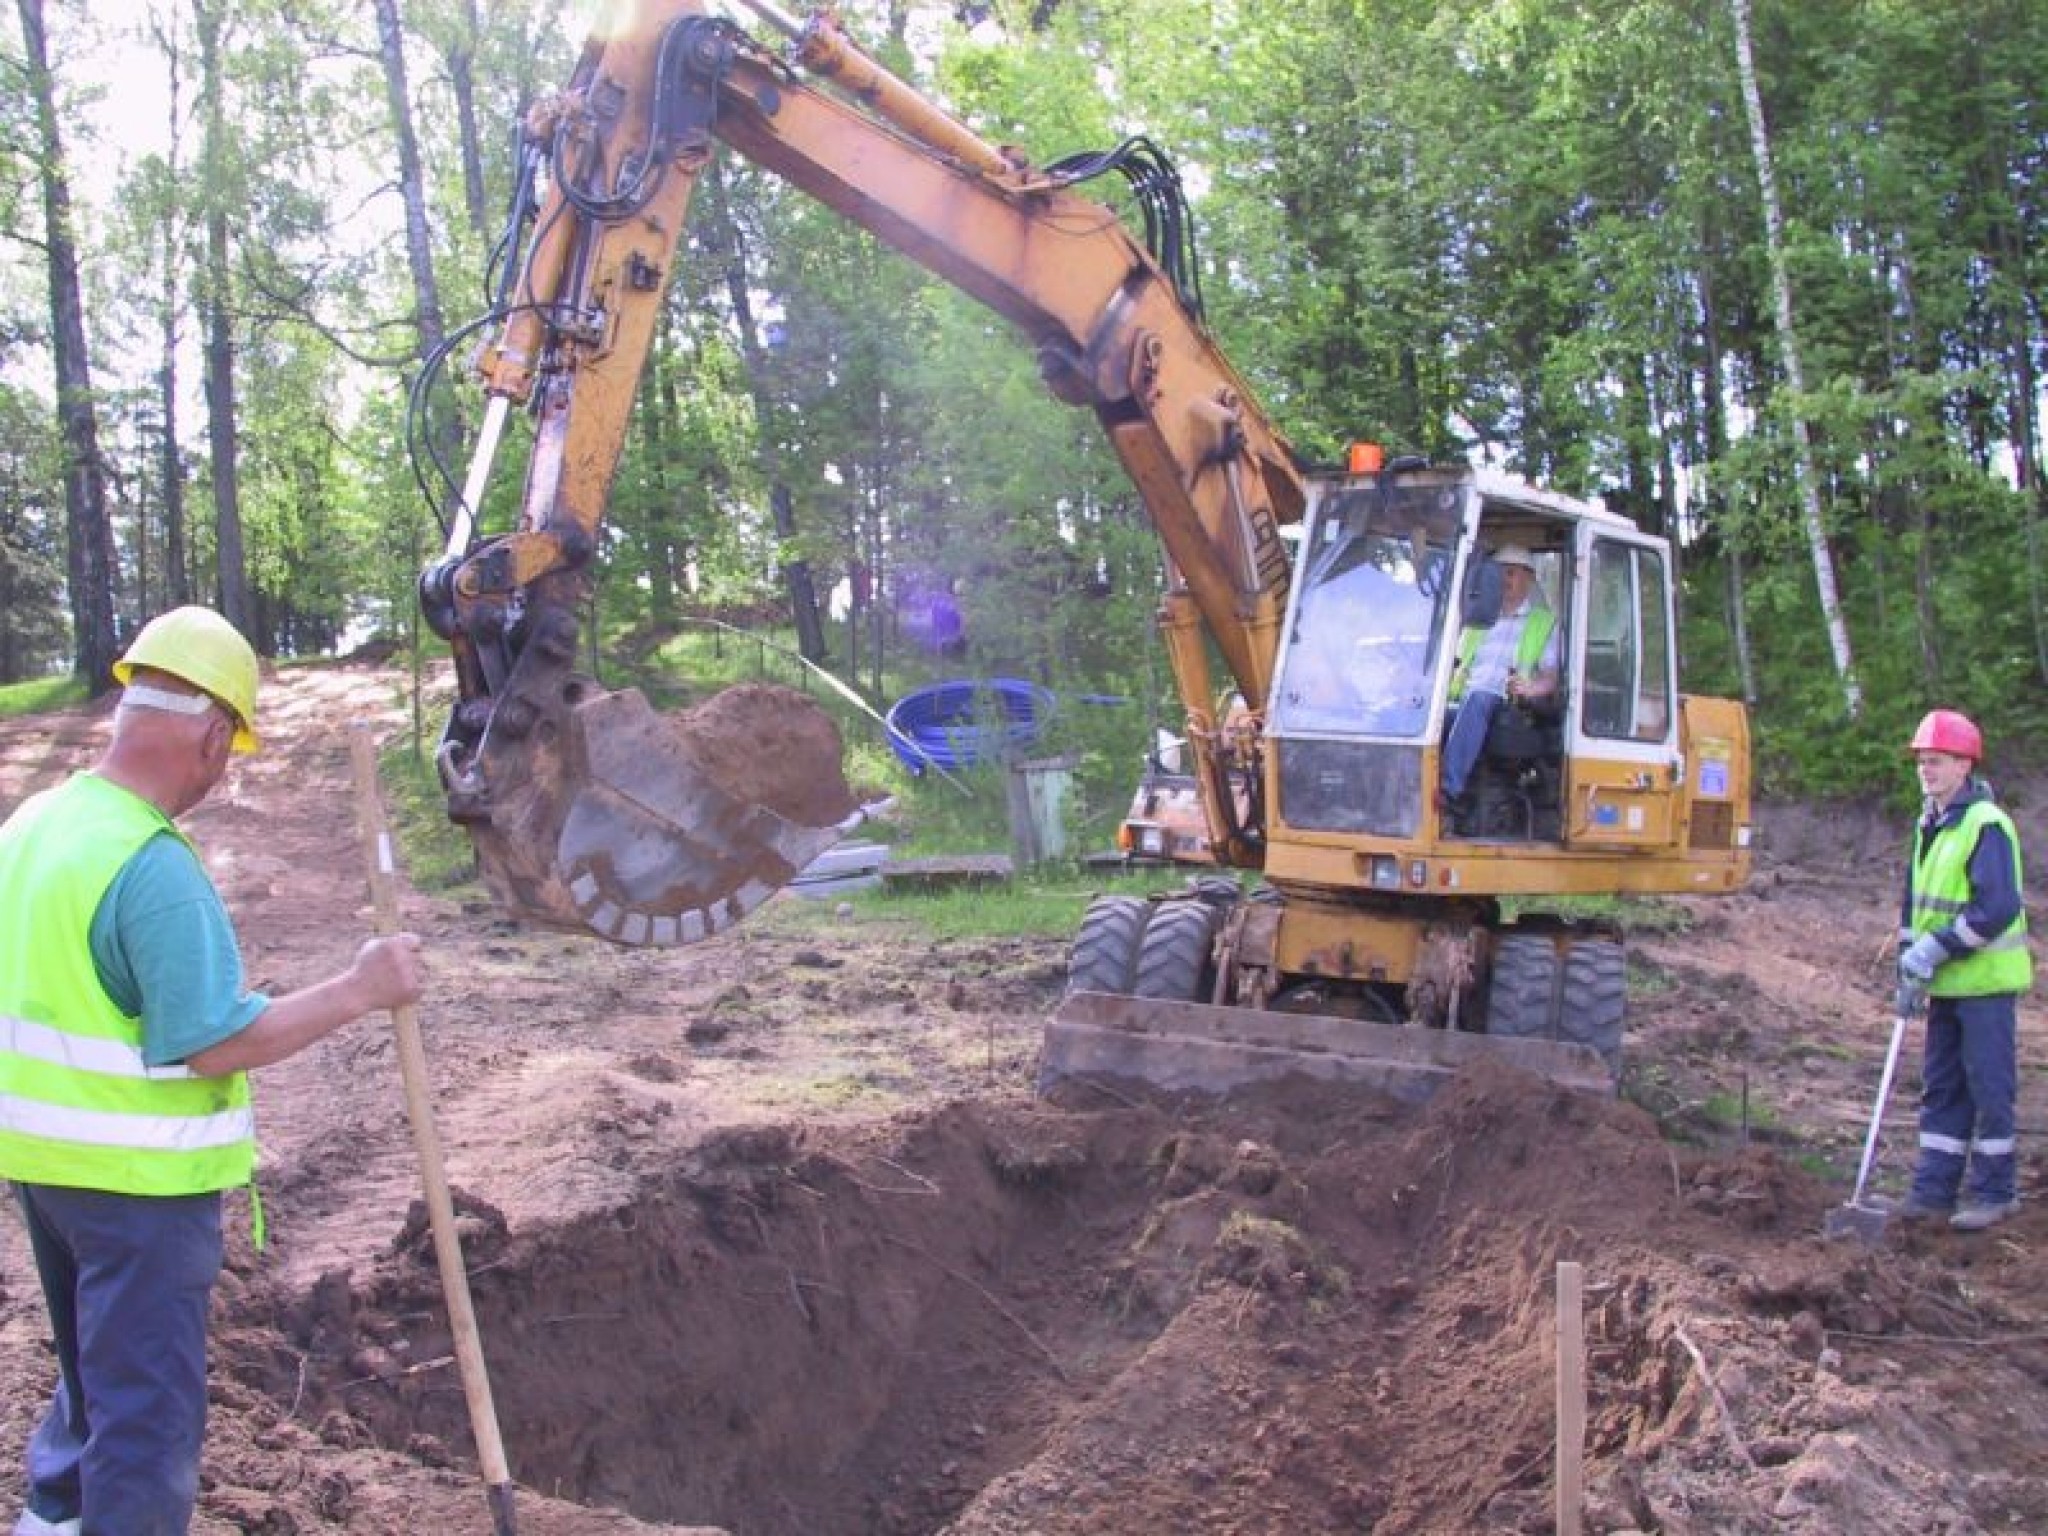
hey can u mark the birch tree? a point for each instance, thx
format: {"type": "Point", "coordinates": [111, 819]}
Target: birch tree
{"type": "Point", "coordinates": [1795, 377]}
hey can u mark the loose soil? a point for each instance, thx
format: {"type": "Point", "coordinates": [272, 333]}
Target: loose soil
{"type": "Point", "coordinates": [770, 1235]}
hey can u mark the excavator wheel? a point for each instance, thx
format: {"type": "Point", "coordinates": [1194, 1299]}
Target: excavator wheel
{"type": "Point", "coordinates": [1105, 951]}
{"type": "Point", "coordinates": [1595, 998]}
{"type": "Point", "coordinates": [1579, 998]}
{"type": "Point", "coordinates": [1176, 956]}
{"type": "Point", "coordinates": [1521, 1003]}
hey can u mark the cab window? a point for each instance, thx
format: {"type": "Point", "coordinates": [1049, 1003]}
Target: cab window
{"type": "Point", "coordinates": [1370, 615]}
{"type": "Point", "coordinates": [1628, 664]}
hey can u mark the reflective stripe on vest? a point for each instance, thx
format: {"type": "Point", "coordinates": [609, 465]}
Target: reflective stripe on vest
{"type": "Point", "coordinates": [1941, 892]}
{"type": "Point", "coordinates": [78, 1104]}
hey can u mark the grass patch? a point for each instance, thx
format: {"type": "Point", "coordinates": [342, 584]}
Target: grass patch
{"type": "Point", "coordinates": [1646, 980]}
{"type": "Point", "coordinates": [1042, 904]}
{"type": "Point", "coordinates": [41, 694]}
{"type": "Point", "coordinates": [1728, 1112]}
{"type": "Point", "coordinates": [1823, 1050]}
{"type": "Point", "coordinates": [436, 852]}
{"type": "Point", "coordinates": [1635, 914]}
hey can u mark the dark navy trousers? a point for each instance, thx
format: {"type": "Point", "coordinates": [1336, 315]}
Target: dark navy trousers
{"type": "Point", "coordinates": [1969, 1092]}
{"type": "Point", "coordinates": [127, 1280]}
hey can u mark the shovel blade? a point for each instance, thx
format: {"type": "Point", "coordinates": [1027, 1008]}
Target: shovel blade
{"type": "Point", "coordinates": [1857, 1223]}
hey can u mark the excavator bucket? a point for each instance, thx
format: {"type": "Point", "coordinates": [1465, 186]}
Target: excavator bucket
{"type": "Point", "coordinates": [652, 830]}
{"type": "Point", "coordinates": [1178, 1047]}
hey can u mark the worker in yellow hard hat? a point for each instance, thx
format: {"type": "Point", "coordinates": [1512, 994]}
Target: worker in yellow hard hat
{"type": "Point", "coordinates": [1512, 660]}
{"type": "Point", "coordinates": [126, 1033]}
{"type": "Point", "coordinates": [198, 647]}
{"type": "Point", "coordinates": [1963, 954]}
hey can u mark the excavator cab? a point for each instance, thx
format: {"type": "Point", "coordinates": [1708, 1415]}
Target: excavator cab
{"type": "Point", "coordinates": [1396, 574]}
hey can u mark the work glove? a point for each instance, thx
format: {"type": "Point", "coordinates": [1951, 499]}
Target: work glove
{"type": "Point", "coordinates": [1920, 959]}
{"type": "Point", "coordinates": [1917, 964]}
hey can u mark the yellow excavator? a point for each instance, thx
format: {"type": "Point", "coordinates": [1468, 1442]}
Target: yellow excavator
{"type": "Point", "coordinates": [1393, 932]}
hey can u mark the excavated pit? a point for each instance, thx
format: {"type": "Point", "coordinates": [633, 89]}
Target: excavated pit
{"type": "Point", "coordinates": [1310, 1310]}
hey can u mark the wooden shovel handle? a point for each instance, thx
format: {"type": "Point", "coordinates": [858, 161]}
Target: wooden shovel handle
{"type": "Point", "coordinates": [412, 1066]}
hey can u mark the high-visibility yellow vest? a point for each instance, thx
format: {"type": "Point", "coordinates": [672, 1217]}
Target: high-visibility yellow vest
{"type": "Point", "coordinates": [1941, 890]}
{"type": "Point", "coordinates": [78, 1106]}
{"type": "Point", "coordinates": [1536, 628]}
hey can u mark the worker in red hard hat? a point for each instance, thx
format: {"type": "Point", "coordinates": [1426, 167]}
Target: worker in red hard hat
{"type": "Point", "coordinates": [1963, 953]}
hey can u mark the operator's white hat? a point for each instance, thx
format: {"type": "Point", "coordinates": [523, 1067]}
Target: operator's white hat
{"type": "Point", "coordinates": [1514, 554]}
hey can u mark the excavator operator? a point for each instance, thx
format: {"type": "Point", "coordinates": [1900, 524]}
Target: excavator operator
{"type": "Point", "coordinates": [1512, 660]}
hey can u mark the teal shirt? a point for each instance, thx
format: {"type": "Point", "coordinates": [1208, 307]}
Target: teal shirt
{"type": "Point", "coordinates": [165, 950]}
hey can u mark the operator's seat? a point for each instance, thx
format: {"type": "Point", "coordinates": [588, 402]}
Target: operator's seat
{"type": "Point", "coordinates": [1524, 750]}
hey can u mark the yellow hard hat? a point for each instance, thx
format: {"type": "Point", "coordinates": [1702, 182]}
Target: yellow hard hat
{"type": "Point", "coordinates": [208, 652]}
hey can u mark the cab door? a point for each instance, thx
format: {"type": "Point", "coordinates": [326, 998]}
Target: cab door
{"type": "Point", "coordinates": [1623, 774]}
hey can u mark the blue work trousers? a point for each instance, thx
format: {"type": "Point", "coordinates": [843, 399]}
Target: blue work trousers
{"type": "Point", "coordinates": [1466, 738]}
{"type": "Point", "coordinates": [1969, 1091]}
{"type": "Point", "coordinates": [127, 1280]}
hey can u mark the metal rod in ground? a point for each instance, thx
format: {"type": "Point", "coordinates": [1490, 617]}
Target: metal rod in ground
{"type": "Point", "coordinates": [412, 1065]}
{"type": "Point", "coordinates": [1571, 1398]}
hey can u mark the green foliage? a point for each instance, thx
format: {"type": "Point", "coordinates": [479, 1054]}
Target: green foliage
{"type": "Point", "coordinates": [435, 853]}
{"type": "Point", "coordinates": [33, 629]}
{"type": "Point", "coordinates": [42, 694]}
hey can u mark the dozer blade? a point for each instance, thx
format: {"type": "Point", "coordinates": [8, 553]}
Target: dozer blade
{"type": "Point", "coordinates": [656, 831]}
{"type": "Point", "coordinates": [1200, 1048]}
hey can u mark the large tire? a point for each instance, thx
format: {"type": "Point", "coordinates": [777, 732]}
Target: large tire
{"type": "Point", "coordinates": [1175, 959]}
{"type": "Point", "coordinates": [1595, 998]}
{"type": "Point", "coordinates": [1521, 1002]}
{"type": "Point", "coordinates": [1105, 953]}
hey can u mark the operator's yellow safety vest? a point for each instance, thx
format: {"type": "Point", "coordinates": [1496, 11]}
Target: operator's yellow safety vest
{"type": "Point", "coordinates": [78, 1107]}
{"type": "Point", "coordinates": [1536, 628]}
{"type": "Point", "coordinates": [1941, 890]}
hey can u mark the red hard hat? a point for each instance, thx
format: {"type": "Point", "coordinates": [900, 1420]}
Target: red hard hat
{"type": "Point", "coordinates": [1945, 730]}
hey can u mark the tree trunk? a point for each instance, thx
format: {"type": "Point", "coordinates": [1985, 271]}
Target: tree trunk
{"type": "Point", "coordinates": [796, 576]}
{"type": "Point", "coordinates": [796, 572]}
{"type": "Point", "coordinates": [1795, 378]}
{"type": "Point", "coordinates": [461, 59]}
{"type": "Point", "coordinates": [446, 432]}
{"type": "Point", "coordinates": [231, 568]}
{"type": "Point", "coordinates": [177, 559]}
{"type": "Point", "coordinates": [1898, 275]}
{"type": "Point", "coordinates": [2027, 443]}
{"type": "Point", "coordinates": [89, 560]}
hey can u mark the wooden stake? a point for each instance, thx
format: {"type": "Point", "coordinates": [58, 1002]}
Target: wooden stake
{"type": "Point", "coordinates": [412, 1065]}
{"type": "Point", "coordinates": [1571, 1399]}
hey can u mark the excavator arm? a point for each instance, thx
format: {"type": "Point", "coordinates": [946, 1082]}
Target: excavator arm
{"type": "Point", "coordinates": [587, 809]}
{"type": "Point", "coordinates": [1112, 329]}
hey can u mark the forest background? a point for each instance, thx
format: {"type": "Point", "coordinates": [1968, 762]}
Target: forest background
{"type": "Point", "coordinates": [1765, 275]}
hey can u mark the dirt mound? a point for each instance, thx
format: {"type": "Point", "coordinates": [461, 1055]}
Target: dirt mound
{"type": "Point", "coordinates": [773, 746]}
{"type": "Point", "coordinates": [768, 1234]}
